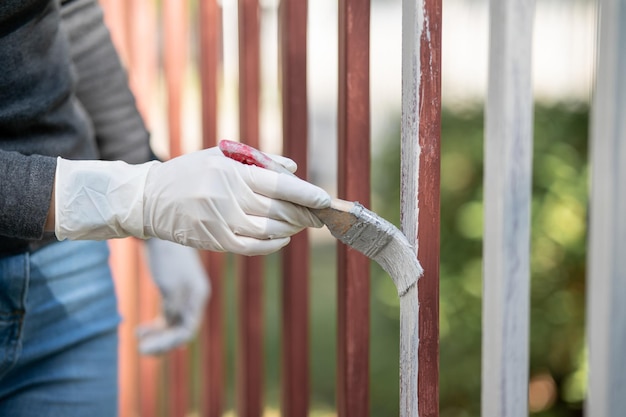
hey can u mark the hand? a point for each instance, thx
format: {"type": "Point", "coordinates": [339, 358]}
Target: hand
{"type": "Point", "coordinates": [224, 205]}
{"type": "Point", "coordinates": [184, 286]}
{"type": "Point", "coordinates": [202, 199]}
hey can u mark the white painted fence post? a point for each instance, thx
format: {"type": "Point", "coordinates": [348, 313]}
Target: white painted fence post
{"type": "Point", "coordinates": [606, 270]}
{"type": "Point", "coordinates": [420, 185]}
{"type": "Point", "coordinates": [507, 182]}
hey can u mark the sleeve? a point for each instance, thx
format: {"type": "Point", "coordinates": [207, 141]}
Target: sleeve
{"type": "Point", "coordinates": [102, 86]}
{"type": "Point", "coordinates": [26, 189]}
{"type": "Point", "coordinates": [32, 82]}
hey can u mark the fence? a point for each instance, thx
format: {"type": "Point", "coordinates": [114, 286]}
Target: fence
{"type": "Point", "coordinates": [507, 180]}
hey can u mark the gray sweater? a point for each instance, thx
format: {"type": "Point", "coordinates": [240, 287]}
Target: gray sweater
{"type": "Point", "coordinates": [63, 92]}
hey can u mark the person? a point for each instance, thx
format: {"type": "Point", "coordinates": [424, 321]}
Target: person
{"type": "Point", "coordinates": [76, 169]}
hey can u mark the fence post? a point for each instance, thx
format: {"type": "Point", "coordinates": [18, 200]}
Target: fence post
{"type": "Point", "coordinates": [606, 270]}
{"type": "Point", "coordinates": [507, 184]}
{"type": "Point", "coordinates": [295, 257]}
{"type": "Point", "coordinates": [420, 156]}
{"type": "Point", "coordinates": [175, 56]}
{"type": "Point", "coordinates": [142, 72]}
{"type": "Point", "coordinates": [353, 276]}
{"type": "Point", "coordinates": [123, 259]}
{"type": "Point", "coordinates": [212, 332]}
{"type": "Point", "coordinates": [250, 279]}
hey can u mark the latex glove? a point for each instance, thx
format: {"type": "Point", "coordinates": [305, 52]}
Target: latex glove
{"type": "Point", "coordinates": [184, 286]}
{"type": "Point", "coordinates": [201, 199]}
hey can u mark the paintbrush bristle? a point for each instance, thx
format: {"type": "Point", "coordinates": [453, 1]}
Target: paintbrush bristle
{"type": "Point", "coordinates": [376, 238]}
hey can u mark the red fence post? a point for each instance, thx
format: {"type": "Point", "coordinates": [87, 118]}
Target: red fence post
{"type": "Point", "coordinates": [123, 259]}
{"type": "Point", "coordinates": [123, 262]}
{"type": "Point", "coordinates": [175, 28]}
{"type": "Point", "coordinates": [428, 209]}
{"type": "Point", "coordinates": [142, 72]}
{"type": "Point", "coordinates": [212, 332]}
{"type": "Point", "coordinates": [250, 282]}
{"type": "Point", "coordinates": [353, 276]}
{"type": "Point", "coordinates": [296, 259]}
{"type": "Point", "coordinates": [175, 58]}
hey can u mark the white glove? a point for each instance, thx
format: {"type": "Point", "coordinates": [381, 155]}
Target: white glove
{"type": "Point", "coordinates": [201, 199]}
{"type": "Point", "coordinates": [184, 286]}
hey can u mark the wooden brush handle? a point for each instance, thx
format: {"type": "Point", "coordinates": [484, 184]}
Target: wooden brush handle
{"type": "Point", "coordinates": [248, 155]}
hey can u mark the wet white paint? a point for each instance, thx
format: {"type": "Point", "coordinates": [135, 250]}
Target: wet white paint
{"type": "Point", "coordinates": [409, 341]}
{"type": "Point", "coordinates": [381, 241]}
{"type": "Point", "coordinates": [413, 25]}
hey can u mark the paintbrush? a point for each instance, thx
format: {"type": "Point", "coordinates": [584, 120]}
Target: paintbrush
{"type": "Point", "coordinates": [351, 223]}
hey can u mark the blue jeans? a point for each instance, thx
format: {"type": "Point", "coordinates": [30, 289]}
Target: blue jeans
{"type": "Point", "coordinates": [58, 332]}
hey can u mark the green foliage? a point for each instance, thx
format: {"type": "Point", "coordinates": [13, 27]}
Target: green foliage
{"type": "Point", "coordinates": [558, 265]}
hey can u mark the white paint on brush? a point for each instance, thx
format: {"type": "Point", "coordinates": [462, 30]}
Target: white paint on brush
{"type": "Point", "coordinates": [382, 242]}
{"type": "Point", "coordinates": [507, 183]}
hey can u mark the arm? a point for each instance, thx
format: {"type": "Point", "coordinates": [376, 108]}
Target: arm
{"type": "Point", "coordinates": [232, 216]}
{"type": "Point", "coordinates": [102, 86]}
{"type": "Point", "coordinates": [39, 115]}
{"type": "Point", "coordinates": [202, 199]}
{"type": "Point", "coordinates": [26, 189]}
{"type": "Point", "coordinates": [102, 89]}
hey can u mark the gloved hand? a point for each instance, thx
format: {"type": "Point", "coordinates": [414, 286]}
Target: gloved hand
{"type": "Point", "coordinates": [184, 286]}
{"type": "Point", "coordinates": [201, 199]}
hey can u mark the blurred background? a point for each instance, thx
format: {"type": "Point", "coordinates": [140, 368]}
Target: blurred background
{"type": "Point", "coordinates": [563, 60]}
